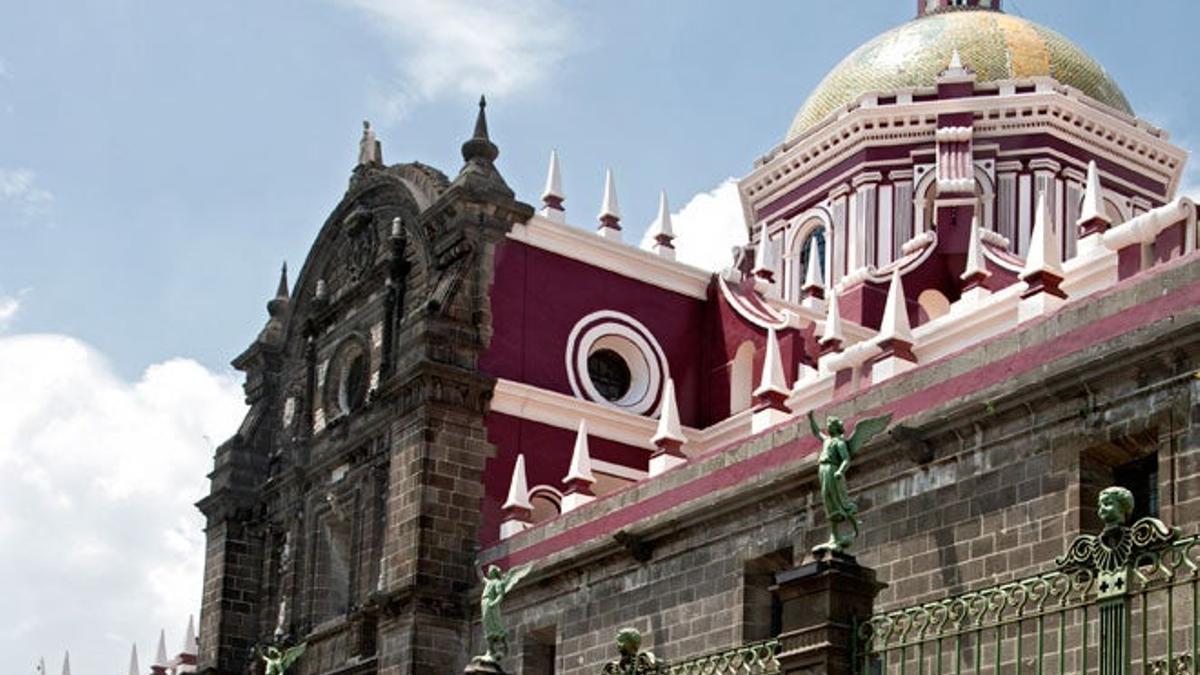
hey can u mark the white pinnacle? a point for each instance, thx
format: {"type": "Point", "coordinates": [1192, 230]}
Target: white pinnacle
{"type": "Point", "coordinates": [581, 458]}
{"type": "Point", "coordinates": [518, 488]}
{"type": "Point", "coordinates": [955, 61]}
{"type": "Point", "coordinates": [812, 274]}
{"type": "Point", "coordinates": [1044, 252]}
{"type": "Point", "coordinates": [662, 225]}
{"type": "Point", "coordinates": [133, 661]}
{"type": "Point", "coordinates": [833, 322]}
{"type": "Point", "coordinates": [773, 379]}
{"type": "Point", "coordinates": [975, 261]}
{"type": "Point", "coordinates": [189, 637]}
{"type": "Point", "coordinates": [160, 658]}
{"type": "Point", "coordinates": [895, 325]}
{"type": "Point", "coordinates": [554, 187]}
{"type": "Point", "coordinates": [608, 205]}
{"type": "Point", "coordinates": [1093, 197]}
{"type": "Point", "coordinates": [763, 261]}
{"type": "Point", "coordinates": [66, 663]}
{"type": "Point", "coordinates": [669, 428]}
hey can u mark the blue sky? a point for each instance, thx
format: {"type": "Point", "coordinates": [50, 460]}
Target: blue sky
{"type": "Point", "coordinates": [159, 159]}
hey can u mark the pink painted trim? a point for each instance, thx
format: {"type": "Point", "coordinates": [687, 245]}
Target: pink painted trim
{"type": "Point", "coordinates": [1081, 338]}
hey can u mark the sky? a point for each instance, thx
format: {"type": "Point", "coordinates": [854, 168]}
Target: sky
{"type": "Point", "coordinates": [160, 159]}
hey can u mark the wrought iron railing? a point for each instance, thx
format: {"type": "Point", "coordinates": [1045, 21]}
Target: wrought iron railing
{"type": "Point", "coordinates": [755, 658]}
{"type": "Point", "coordinates": [1122, 602]}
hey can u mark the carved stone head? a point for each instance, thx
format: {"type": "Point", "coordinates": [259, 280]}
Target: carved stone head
{"type": "Point", "coordinates": [1115, 506]}
{"type": "Point", "coordinates": [629, 640]}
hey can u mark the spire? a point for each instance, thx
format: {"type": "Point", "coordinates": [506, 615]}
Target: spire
{"type": "Point", "coordinates": [955, 71]}
{"type": "Point", "coordinates": [189, 637]}
{"type": "Point", "coordinates": [610, 212]}
{"type": "Point", "coordinates": [160, 656]}
{"type": "Point", "coordinates": [832, 335]}
{"type": "Point", "coordinates": [133, 661]}
{"type": "Point", "coordinates": [976, 268]}
{"type": "Point", "coordinates": [66, 663]}
{"type": "Point", "coordinates": [764, 262]}
{"type": "Point", "coordinates": [1043, 264]}
{"type": "Point", "coordinates": [670, 431]}
{"type": "Point", "coordinates": [282, 290]}
{"type": "Point", "coordinates": [663, 232]}
{"type": "Point", "coordinates": [480, 146]}
{"type": "Point", "coordinates": [581, 458]}
{"type": "Point", "coordinates": [773, 383]}
{"type": "Point", "coordinates": [813, 284]}
{"type": "Point", "coordinates": [552, 195]}
{"type": "Point", "coordinates": [518, 488]}
{"type": "Point", "coordinates": [41, 668]}
{"type": "Point", "coordinates": [1092, 217]}
{"type": "Point", "coordinates": [955, 61]}
{"type": "Point", "coordinates": [895, 325]}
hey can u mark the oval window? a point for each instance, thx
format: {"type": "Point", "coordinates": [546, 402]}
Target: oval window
{"type": "Point", "coordinates": [609, 374]}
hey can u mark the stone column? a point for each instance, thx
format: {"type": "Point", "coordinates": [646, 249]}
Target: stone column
{"type": "Point", "coordinates": [822, 601]}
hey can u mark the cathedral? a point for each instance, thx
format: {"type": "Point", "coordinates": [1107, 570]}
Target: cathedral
{"type": "Point", "coordinates": [966, 227]}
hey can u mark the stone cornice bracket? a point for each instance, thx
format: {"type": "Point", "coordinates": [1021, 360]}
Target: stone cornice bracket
{"type": "Point", "coordinates": [640, 549]}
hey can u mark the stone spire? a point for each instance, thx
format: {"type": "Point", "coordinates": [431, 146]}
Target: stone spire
{"type": "Point", "coordinates": [772, 388]}
{"type": "Point", "coordinates": [1093, 218]}
{"type": "Point", "coordinates": [895, 327]}
{"type": "Point", "coordinates": [281, 293]}
{"type": "Point", "coordinates": [579, 478]}
{"type": "Point", "coordinates": [552, 195]}
{"type": "Point", "coordinates": [160, 656]}
{"type": "Point", "coordinates": [668, 437]}
{"type": "Point", "coordinates": [814, 286]}
{"type": "Point", "coordinates": [190, 644]}
{"type": "Point", "coordinates": [66, 670]}
{"type": "Point", "coordinates": [976, 270]}
{"type": "Point", "coordinates": [272, 333]}
{"type": "Point", "coordinates": [610, 212]}
{"type": "Point", "coordinates": [832, 335]}
{"type": "Point", "coordinates": [133, 661]}
{"type": "Point", "coordinates": [764, 262]}
{"type": "Point", "coordinates": [664, 234]}
{"type": "Point", "coordinates": [518, 511]}
{"type": "Point", "coordinates": [1043, 264]}
{"type": "Point", "coordinates": [479, 154]}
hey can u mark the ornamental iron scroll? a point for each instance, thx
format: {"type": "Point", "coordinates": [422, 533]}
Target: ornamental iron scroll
{"type": "Point", "coordinates": [755, 658]}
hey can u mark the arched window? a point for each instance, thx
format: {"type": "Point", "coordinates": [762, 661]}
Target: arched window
{"type": "Point", "coordinates": [741, 377]}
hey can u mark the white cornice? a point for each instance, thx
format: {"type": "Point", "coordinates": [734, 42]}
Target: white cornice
{"type": "Point", "coordinates": [614, 256]}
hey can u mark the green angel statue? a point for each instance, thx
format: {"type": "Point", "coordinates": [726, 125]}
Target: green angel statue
{"type": "Point", "coordinates": [279, 661]}
{"type": "Point", "coordinates": [836, 452]}
{"type": "Point", "coordinates": [496, 585]}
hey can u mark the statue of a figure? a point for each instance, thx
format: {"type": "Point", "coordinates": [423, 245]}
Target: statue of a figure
{"type": "Point", "coordinates": [836, 452]}
{"type": "Point", "coordinates": [279, 661]}
{"type": "Point", "coordinates": [632, 661]}
{"type": "Point", "coordinates": [496, 585]}
{"type": "Point", "coordinates": [369, 148]}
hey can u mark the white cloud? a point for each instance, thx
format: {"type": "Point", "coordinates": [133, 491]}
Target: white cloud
{"type": "Point", "coordinates": [9, 306]}
{"type": "Point", "coordinates": [100, 543]}
{"type": "Point", "coordinates": [21, 196]}
{"type": "Point", "coordinates": [707, 228]}
{"type": "Point", "coordinates": [467, 46]}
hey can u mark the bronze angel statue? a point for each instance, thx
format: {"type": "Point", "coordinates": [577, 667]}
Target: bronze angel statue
{"type": "Point", "coordinates": [496, 585]}
{"type": "Point", "coordinates": [279, 661]}
{"type": "Point", "coordinates": [836, 452]}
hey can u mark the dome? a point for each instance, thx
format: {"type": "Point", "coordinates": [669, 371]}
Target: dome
{"type": "Point", "coordinates": [996, 46]}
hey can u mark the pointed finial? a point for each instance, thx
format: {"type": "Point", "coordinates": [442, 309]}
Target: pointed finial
{"type": "Point", "coordinates": [581, 458]}
{"type": "Point", "coordinates": [955, 61]}
{"type": "Point", "coordinates": [976, 268]}
{"type": "Point", "coordinates": [518, 488]}
{"type": "Point", "coordinates": [480, 146]}
{"type": "Point", "coordinates": [610, 212]}
{"type": "Point", "coordinates": [1044, 255]}
{"type": "Point", "coordinates": [66, 670]}
{"type": "Point", "coordinates": [813, 283]}
{"type": "Point", "coordinates": [664, 233]}
{"type": "Point", "coordinates": [133, 661]}
{"type": "Point", "coordinates": [773, 378]}
{"type": "Point", "coordinates": [832, 334]}
{"type": "Point", "coordinates": [41, 668]}
{"type": "Point", "coordinates": [160, 657]}
{"type": "Point", "coordinates": [552, 195]}
{"type": "Point", "coordinates": [895, 325]}
{"type": "Point", "coordinates": [1093, 217]}
{"type": "Point", "coordinates": [764, 262]}
{"type": "Point", "coordinates": [669, 431]}
{"type": "Point", "coordinates": [282, 290]}
{"type": "Point", "coordinates": [189, 636]}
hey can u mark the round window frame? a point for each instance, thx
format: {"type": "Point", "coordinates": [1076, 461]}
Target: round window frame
{"type": "Point", "coordinates": [336, 395]}
{"type": "Point", "coordinates": [634, 343]}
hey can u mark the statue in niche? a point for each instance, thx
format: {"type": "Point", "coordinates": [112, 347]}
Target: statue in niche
{"type": "Point", "coordinates": [836, 452]}
{"type": "Point", "coordinates": [632, 661]}
{"type": "Point", "coordinates": [497, 585]}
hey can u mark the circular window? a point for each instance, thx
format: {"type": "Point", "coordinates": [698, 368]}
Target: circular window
{"type": "Point", "coordinates": [353, 390]}
{"type": "Point", "coordinates": [613, 359]}
{"type": "Point", "coordinates": [610, 374]}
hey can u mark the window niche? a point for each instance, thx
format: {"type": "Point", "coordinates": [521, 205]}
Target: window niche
{"type": "Point", "coordinates": [1130, 462]}
{"type": "Point", "coordinates": [348, 383]}
{"type": "Point", "coordinates": [762, 611]}
{"type": "Point", "coordinates": [539, 654]}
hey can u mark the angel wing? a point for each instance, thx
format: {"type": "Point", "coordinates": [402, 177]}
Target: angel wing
{"type": "Point", "coordinates": [515, 575]}
{"type": "Point", "coordinates": [290, 655]}
{"type": "Point", "coordinates": [864, 430]}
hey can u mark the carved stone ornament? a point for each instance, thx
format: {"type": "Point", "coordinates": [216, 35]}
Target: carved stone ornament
{"type": "Point", "coordinates": [632, 660]}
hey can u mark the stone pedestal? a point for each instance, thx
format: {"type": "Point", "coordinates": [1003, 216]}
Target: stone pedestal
{"type": "Point", "coordinates": [483, 666]}
{"type": "Point", "coordinates": [821, 602]}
